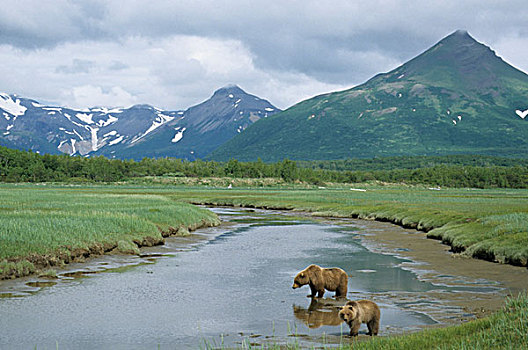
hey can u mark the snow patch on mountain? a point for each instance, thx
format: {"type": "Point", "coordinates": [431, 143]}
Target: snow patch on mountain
{"type": "Point", "coordinates": [521, 114]}
{"type": "Point", "coordinates": [55, 109]}
{"type": "Point", "coordinates": [93, 132]}
{"type": "Point", "coordinates": [11, 106]}
{"type": "Point", "coordinates": [73, 146]}
{"type": "Point", "coordinates": [111, 119]}
{"type": "Point", "coordinates": [159, 121]}
{"type": "Point", "coordinates": [105, 110]}
{"type": "Point", "coordinates": [116, 141]}
{"type": "Point", "coordinates": [87, 118]}
{"type": "Point", "coordinates": [179, 134]}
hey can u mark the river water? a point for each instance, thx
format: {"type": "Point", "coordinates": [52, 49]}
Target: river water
{"type": "Point", "coordinates": [229, 285]}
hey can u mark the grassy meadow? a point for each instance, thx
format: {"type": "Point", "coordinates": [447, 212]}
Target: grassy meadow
{"type": "Point", "coordinates": [43, 226]}
{"type": "Point", "coordinates": [56, 220]}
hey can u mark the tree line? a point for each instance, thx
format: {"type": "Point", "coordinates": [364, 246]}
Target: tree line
{"type": "Point", "coordinates": [26, 166]}
{"type": "Point", "coordinates": [412, 162]}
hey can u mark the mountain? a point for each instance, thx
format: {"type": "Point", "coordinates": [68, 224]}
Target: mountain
{"type": "Point", "coordinates": [200, 129]}
{"type": "Point", "coordinates": [458, 97]}
{"type": "Point", "coordinates": [135, 132]}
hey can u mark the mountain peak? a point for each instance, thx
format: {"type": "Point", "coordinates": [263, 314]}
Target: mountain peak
{"type": "Point", "coordinates": [460, 33]}
{"type": "Point", "coordinates": [230, 88]}
{"type": "Point", "coordinates": [459, 37]}
{"type": "Point", "coordinates": [457, 61]}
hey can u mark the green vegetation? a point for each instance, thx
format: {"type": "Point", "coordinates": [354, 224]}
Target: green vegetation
{"type": "Point", "coordinates": [416, 162]}
{"type": "Point", "coordinates": [44, 227]}
{"type": "Point", "coordinates": [61, 223]}
{"type": "Point", "coordinates": [450, 171]}
{"type": "Point", "coordinates": [458, 97]}
{"type": "Point", "coordinates": [49, 225]}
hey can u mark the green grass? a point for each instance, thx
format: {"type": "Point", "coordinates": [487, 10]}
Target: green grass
{"type": "Point", "coordinates": [45, 225]}
{"type": "Point", "coordinates": [488, 224]}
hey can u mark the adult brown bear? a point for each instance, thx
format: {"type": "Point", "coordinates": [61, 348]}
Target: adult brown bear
{"type": "Point", "coordinates": [319, 279]}
{"type": "Point", "coordinates": [354, 313]}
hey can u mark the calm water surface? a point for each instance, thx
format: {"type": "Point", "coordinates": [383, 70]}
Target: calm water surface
{"type": "Point", "coordinates": [232, 285]}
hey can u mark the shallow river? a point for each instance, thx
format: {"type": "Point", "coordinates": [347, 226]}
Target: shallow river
{"type": "Point", "coordinates": [224, 285]}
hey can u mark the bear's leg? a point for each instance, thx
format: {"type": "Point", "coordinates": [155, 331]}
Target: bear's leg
{"type": "Point", "coordinates": [320, 293]}
{"type": "Point", "coordinates": [354, 328]}
{"type": "Point", "coordinates": [313, 290]}
{"type": "Point", "coordinates": [373, 327]}
{"type": "Point", "coordinates": [341, 292]}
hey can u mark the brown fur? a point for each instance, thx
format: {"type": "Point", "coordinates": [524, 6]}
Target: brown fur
{"type": "Point", "coordinates": [319, 279]}
{"type": "Point", "coordinates": [354, 313]}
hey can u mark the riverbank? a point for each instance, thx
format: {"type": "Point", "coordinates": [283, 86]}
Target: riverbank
{"type": "Point", "coordinates": [483, 224]}
{"type": "Point", "coordinates": [44, 228]}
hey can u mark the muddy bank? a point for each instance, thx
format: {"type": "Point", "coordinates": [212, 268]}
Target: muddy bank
{"type": "Point", "coordinates": [437, 262]}
{"type": "Point", "coordinates": [35, 264]}
{"type": "Point", "coordinates": [402, 222]}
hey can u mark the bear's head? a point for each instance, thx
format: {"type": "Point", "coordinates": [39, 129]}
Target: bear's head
{"type": "Point", "coordinates": [300, 280]}
{"type": "Point", "coordinates": [349, 311]}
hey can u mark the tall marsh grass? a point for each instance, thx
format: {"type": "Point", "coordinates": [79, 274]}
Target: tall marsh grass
{"type": "Point", "coordinates": [45, 221]}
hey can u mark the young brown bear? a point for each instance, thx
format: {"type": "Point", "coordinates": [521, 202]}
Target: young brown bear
{"type": "Point", "coordinates": [354, 313]}
{"type": "Point", "coordinates": [319, 279]}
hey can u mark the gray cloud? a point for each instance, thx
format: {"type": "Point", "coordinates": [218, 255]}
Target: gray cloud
{"type": "Point", "coordinates": [118, 65]}
{"type": "Point", "coordinates": [77, 66]}
{"type": "Point", "coordinates": [282, 47]}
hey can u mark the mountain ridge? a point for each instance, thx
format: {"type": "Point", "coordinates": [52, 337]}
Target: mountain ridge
{"type": "Point", "coordinates": [457, 97]}
{"type": "Point", "coordinates": [135, 132]}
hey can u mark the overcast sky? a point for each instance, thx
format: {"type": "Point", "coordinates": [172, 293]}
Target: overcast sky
{"type": "Point", "coordinates": [174, 54]}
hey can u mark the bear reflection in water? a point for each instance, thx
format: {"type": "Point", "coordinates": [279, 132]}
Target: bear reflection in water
{"type": "Point", "coordinates": [319, 313]}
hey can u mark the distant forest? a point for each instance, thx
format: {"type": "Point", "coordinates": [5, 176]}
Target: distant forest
{"type": "Point", "coordinates": [448, 171]}
{"type": "Point", "coordinates": [414, 162]}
